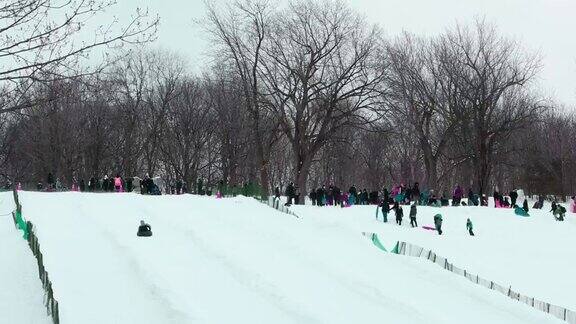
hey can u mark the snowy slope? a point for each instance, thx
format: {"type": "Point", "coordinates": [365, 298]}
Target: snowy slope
{"type": "Point", "coordinates": [536, 255]}
{"type": "Point", "coordinates": [238, 261]}
{"type": "Point", "coordinates": [20, 289]}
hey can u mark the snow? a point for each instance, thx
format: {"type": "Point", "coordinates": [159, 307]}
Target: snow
{"type": "Point", "coordinates": [21, 291]}
{"type": "Point", "coordinates": [535, 255]}
{"type": "Point", "coordinates": [238, 261]}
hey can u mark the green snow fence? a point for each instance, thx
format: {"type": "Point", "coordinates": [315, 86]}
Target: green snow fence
{"type": "Point", "coordinates": [377, 242]}
{"type": "Point", "coordinates": [396, 249]}
{"type": "Point", "coordinates": [22, 224]}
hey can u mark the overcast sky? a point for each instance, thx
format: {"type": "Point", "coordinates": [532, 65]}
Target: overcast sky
{"type": "Point", "coordinates": [547, 26]}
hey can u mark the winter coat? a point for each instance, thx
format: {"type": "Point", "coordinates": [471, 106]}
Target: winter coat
{"type": "Point", "coordinates": [290, 190]}
{"type": "Point", "coordinates": [469, 225]}
{"type": "Point", "coordinates": [525, 205]}
{"type": "Point", "coordinates": [573, 206]}
{"type": "Point", "coordinates": [438, 219]}
{"type": "Point", "coordinates": [50, 178]}
{"type": "Point", "coordinates": [117, 182]}
{"type": "Point", "coordinates": [554, 206]}
{"type": "Point", "coordinates": [399, 213]}
{"type": "Point", "coordinates": [144, 230]}
{"type": "Point", "coordinates": [458, 193]}
{"type": "Point", "coordinates": [413, 211]}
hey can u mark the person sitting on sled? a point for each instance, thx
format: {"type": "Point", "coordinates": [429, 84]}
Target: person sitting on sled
{"type": "Point", "coordinates": [144, 229]}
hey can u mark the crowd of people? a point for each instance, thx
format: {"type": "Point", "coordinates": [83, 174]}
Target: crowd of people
{"type": "Point", "coordinates": [412, 195]}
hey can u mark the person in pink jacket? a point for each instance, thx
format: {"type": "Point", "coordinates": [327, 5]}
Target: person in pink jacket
{"type": "Point", "coordinates": [573, 205]}
{"type": "Point", "coordinates": [118, 183]}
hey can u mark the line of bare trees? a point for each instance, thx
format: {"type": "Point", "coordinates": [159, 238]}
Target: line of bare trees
{"type": "Point", "coordinates": [309, 92]}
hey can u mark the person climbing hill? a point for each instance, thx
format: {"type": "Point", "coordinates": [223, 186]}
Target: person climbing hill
{"type": "Point", "coordinates": [399, 213]}
{"type": "Point", "coordinates": [438, 223]}
{"type": "Point", "coordinates": [469, 227]}
{"type": "Point", "coordinates": [413, 212]}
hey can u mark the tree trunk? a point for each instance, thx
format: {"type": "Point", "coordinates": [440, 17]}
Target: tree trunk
{"type": "Point", "coordinates": [303, 164]}
{"type": "Point", "coordinates": [482, 168]}
{"type": "Point", "coordinates": [431, 163]}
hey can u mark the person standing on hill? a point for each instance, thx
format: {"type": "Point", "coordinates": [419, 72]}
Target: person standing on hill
{"type": "Point", "coordinates": [416, 192]}
{"type": "Point", "coordinates": [178, 186]}
{"type": "Point", "coordinates": [312, 196]}
{"type": "Point", "coordinates": [385, 210]}
{"type": "Point", "coordinates": [118, 183]}
{"type": "Point", "coordinates": [525, 205]}
{"type": "Point", "coordinates": [438, 223]}
{"type": "Point", "coordinates": [290, 192]}
{"type": "Point", "coordinates": [513, 198]}
{"type": "Point", "coordinates": [413, 212]}
{"type": "Point", "coordinates": [469, 227]}
{"type": "Point", "coordinates": [457, 196]}
{"type": "Point", "coordinates": [399, 213]}
{"type": "Point", "coordinates": [50, 181]}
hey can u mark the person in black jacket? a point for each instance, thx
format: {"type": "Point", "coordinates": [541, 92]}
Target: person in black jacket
{"type": "Point", "coordinates": [385, 210]}
{"type": "Point", "coordinates": [144, 229]}
{"type": "Point", "coordinates": [399, 213]}
{"type": "Point", "coordinates": [386, 195]}
{"type": "Point", "coordinates": [525, 205]}
{"type": "Point", "coordinates": [513, 198]}
{"type": "Point", "coordinates": [290, 192]}
{"type": "Point", "coordinates": [413, 211]}
{"type": "Point", "coordinates": [50, 181]}
{"type": "Point", "coordinates": [320, 196]}
{"type": "Point", "coordinates": [312, 196]}
{"type": "Point", "coordinates": [416, 192]}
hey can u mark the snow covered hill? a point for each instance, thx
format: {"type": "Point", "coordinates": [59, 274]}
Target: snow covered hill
{"type": "Point", "coordinates": [535, 255]}
{"type": "Point", "coordinates": [238, 261]}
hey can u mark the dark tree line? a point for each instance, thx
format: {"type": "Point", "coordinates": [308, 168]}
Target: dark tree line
{"type": "Point", "coordinates": [310, 93]}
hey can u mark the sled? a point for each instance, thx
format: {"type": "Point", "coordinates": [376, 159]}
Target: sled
{"type": "Point", "coordinates": [521, 212]}
{"type": "Point", "coordinates": [428, 227]}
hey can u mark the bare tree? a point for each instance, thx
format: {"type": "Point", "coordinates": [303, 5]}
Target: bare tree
{"type": "Point", "coordinates": [321, 75]}
{"type": "Point", "coordinates": [39, 42]}
{"type": "Point", "coordinates": [420, 97]}
{"type": "Point", "coordinates": [239, 34]}
{"type": "Point", "coordinates": [490, 73]}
